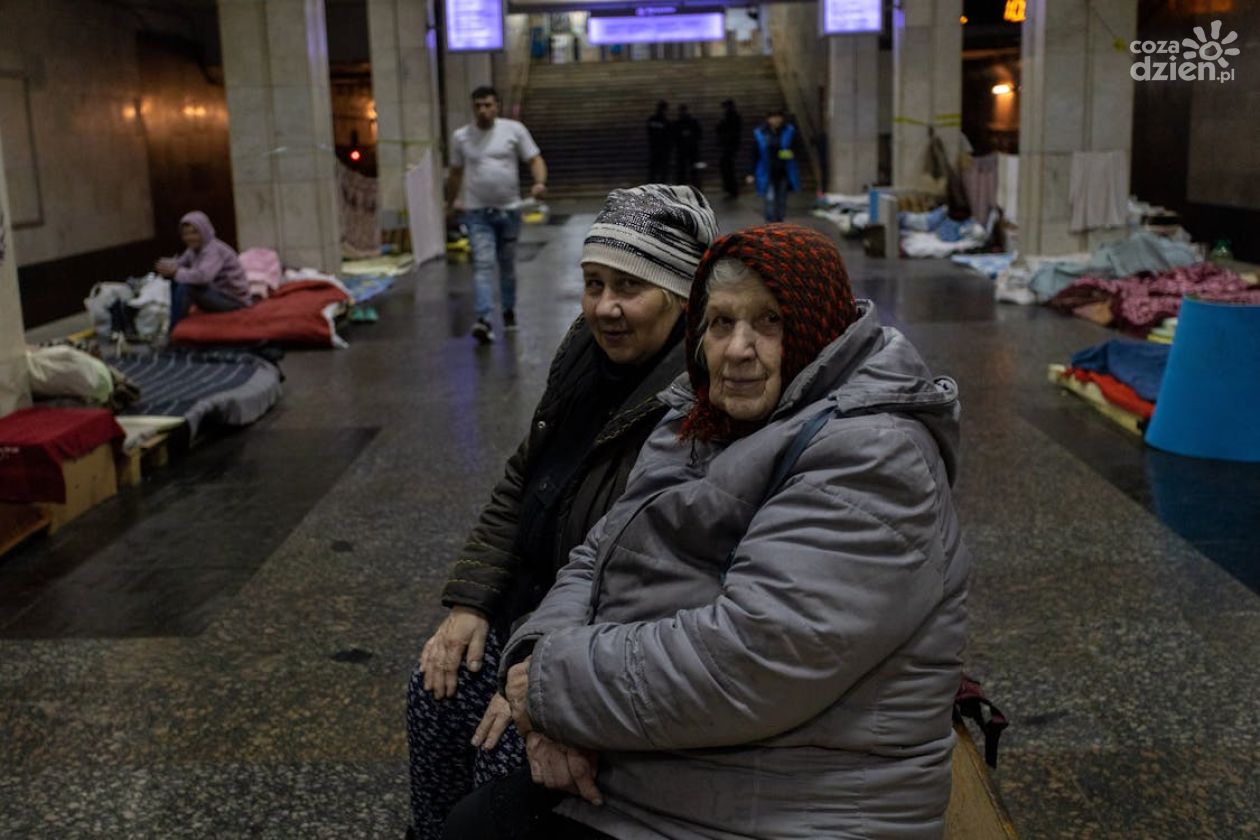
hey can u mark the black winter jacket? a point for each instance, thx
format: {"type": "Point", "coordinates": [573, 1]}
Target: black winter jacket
{"type": "Point", "coordinates": [488, 574]}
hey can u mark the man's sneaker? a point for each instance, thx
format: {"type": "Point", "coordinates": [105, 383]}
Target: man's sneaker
{"type": "Point", "coordinates": [482, 332]}
{"type": "Point", "coordinates": [509, 320]}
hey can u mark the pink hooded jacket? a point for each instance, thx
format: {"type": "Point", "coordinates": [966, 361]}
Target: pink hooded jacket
{"type": "Point", "coordinates": [214, 264]}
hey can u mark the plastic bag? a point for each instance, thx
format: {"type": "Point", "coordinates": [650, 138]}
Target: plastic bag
{"type": "Point", "coordinates": [152, 307]}
{"type": "Point", "coordinates": [62, 371]}
{"type": "Point", "coordinates": [100, 306]}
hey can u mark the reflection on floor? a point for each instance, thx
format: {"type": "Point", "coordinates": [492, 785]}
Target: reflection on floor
{"type": "Point", "coordinates": [223, 652]}
{"type": "Point", "coordinates": [161, 560]}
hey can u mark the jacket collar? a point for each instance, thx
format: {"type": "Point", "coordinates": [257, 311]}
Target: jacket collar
{"type": "Point", "coordinates": [645, 399]}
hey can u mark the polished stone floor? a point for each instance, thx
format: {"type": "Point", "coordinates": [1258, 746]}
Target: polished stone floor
{"type": "Point", "coordinates": [223, 652]}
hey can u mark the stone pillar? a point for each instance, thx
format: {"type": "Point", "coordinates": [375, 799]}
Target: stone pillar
{"type": "Point", "coordinates": [852, 112]}
{"type": "Point", "coordinates": [927, 83]}
{"type": "Point", "coordinates": [15, 391]}
{"type": "Point", "coordinates": [1075, 94]}
{"type": "Point", "coordinates": [404, 87]}
{"type": "Point", "coordinates": [284, 172]}
{"type": "Point", "coordinates": [464, 72]}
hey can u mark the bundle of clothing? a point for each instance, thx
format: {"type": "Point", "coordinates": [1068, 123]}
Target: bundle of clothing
{"type": "Point", "coordinates": [1121, 378]}
{"type": "Point", "coordinates": [1141, 302]}
{"type": "Point", "coordinates": [67, 376]}
{"type": "Point", "coordinates": [1037, 279]}
{"type": "Point", "coordinates": [849, 213]}
{"type": "Point", "coordinates": [935, 234]}
{"type": "Point", "coordinates": [138, 309]}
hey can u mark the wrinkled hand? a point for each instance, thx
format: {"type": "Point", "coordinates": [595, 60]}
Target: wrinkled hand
{"type": "Point", "coordinates": [558, 767]}
{"type": "Point", "coordinates": [464, 629]}
{"type": "Point", "coordinates": [493, 723]}
{"type": "Point", "coordinates": [517, 692]}
{"type": "Point", "coordinates": [166, 267]}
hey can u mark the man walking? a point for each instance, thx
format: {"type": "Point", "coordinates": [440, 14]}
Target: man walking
{"type": "Point", "coordinates": [485, 161]}
{"type": "Point", "coordinates": [658, 131]}
{"type": "Point", "coordinates": [730, 131]}
{"type": "Point", "coordinates": [774, 169]}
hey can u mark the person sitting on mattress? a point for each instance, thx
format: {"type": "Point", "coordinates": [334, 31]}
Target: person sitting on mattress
{"type": "Point", "coordinates": [208, 273]}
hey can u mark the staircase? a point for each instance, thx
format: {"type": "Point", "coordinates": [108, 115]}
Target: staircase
{"type": "Point", "coordinates": [590, 119]}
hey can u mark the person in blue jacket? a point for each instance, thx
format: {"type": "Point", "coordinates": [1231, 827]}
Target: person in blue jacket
{"type": "Point", "coordinates": [774, 163]}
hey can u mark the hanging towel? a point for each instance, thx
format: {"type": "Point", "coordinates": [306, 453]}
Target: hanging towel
{"type": "Point", "coordinates": [1099, 190]}
{"type": "Point", "coordinates": [981, 182]}
{"type": "Point", "coordinates": [1008, 185]}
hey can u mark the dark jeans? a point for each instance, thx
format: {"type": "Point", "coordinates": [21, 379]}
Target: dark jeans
{"type": "Point", "coordinates": [776, 200]}
{"type": "Point", "coordinates": [685, 169]}
{"type": "Point", "coordinates": [206, 298]}
{"type": "Point", "coordinates": [658, 166]}
{"type": "Point", "coordinates": [730, 183]}
{"type": "Point", "coordinates": [514, 808]}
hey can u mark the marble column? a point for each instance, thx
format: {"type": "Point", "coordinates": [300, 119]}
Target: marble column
{"type": "Point", "coordinates": [404, 88]}
{"type": "Point", "coordinates": [15, 389]}
{"type": "Point", "coordinates": [464, 72]}
{"type": "Point", "coordinates": [927, 83]}
{"type": "Point", "coordinates": [284, 172]}
{"type": "Point", "coordinates": [852, 112]}
{"type": "Point", "coordinates": [1075, 94]}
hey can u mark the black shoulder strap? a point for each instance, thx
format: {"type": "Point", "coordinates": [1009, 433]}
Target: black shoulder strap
{"type": "Point", "coordinates": [790, 455]}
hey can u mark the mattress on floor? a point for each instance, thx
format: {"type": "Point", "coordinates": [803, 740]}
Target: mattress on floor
{"type": "Point", "coordinates": [366, 287]}
{"type": "Point", "coordinates": [298, 313]}
{"type": "Point", "coordinates": [228, 387]}
{"type": "Point", "coordinates": [989, 265]}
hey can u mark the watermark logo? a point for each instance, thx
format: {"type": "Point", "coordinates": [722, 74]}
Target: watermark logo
{"type": "Point", "coordinates": [1198, 59]}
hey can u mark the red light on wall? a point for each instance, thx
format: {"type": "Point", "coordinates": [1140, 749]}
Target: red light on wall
{"type": "Point", "coordinates": [355, 155]}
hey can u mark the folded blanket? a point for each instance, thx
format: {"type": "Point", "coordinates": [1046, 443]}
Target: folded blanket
{"type": "Point", "coordinates": [1138, 364]}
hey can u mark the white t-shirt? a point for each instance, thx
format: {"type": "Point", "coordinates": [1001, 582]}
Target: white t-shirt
{"type": "Point", "coordinates": [491, 162]}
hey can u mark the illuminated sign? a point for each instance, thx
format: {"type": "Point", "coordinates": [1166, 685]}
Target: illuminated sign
{"type": "Point", "coordinates": [844, 16]}
{"type": "Point", "coordinates": [656, 28]}
{"type": "Point", "coordinates": [473, 25]}
{"type": "Point", "coordinates": [1015, 11]}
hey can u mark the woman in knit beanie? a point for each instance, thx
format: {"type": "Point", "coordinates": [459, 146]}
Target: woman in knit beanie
{"type": "Point", "coordinates": [764, 636]}
{"type": "Point", "coordinates": [599, 406]}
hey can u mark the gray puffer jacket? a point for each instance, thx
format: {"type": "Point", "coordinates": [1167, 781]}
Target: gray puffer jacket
{"type": "Point", "coordinates": [807, 694]}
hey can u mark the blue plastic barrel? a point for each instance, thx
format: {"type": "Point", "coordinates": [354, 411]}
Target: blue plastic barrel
{"type": "Point", "coordinates": [1209, 400]}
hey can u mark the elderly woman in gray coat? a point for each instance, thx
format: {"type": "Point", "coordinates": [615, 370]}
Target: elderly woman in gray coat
{"type": "Point", "coordinates": [762, 638]}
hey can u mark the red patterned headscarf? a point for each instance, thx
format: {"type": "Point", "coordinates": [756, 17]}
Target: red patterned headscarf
{"type": "Point", "coordinates": [805, 273]}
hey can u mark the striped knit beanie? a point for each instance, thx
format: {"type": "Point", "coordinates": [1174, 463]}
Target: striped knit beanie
{"type": "Point", "coordinates": [654, 232]}
{"type": "Point", "coordinates": [806, 274]}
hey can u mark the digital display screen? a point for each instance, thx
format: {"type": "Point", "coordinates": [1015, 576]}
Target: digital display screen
{"type": "Point", "coordinates": [474, 25]}
{"type": "Point", "coordinates": [656, 29]}
{"type": "Point", "coordinates": [845, 16]}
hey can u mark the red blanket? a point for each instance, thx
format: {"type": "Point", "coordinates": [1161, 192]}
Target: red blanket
{"type": "Point", "coordinates": [293, 315]}
{"type": "Point", "coordinates": [1116, 392]}
{"type": "Point", "coordinates": [35, 441]}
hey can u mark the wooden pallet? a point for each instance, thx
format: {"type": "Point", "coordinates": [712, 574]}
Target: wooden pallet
{"type": "Point", "coordinates": [134, 464]}
{"type": "Point", "coordinates": [20, 522]}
